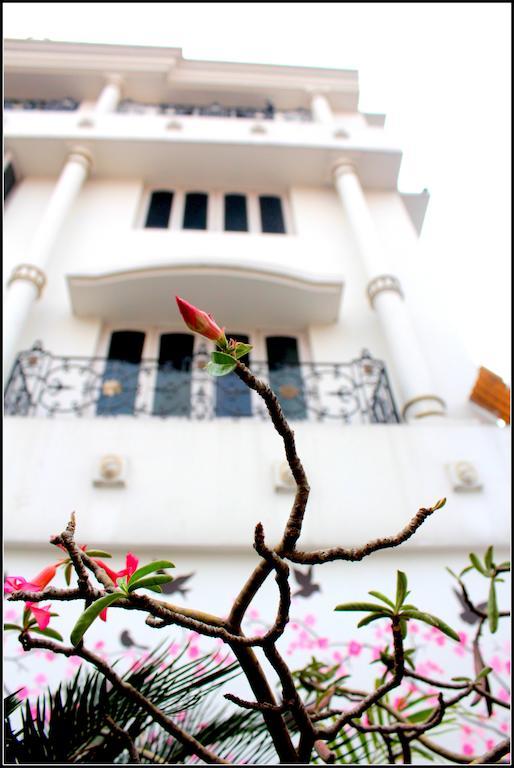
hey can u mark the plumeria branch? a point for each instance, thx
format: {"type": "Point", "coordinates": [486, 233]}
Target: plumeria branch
{"type": "Point", "coordinates": [118, 593]}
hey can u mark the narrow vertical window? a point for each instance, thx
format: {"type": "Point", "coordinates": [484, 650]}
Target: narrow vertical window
{"type": "Point", "coordinates": [158, 215]}
{"type": "Point", "coordinates": [285, 375]}
{"type": "Point", "coordinates": [120, 380]}
{"type": "Point", "coordinates": [236, 217]}
{"type": "Point", "coordinates": [233, 397]}
{"type": "Point", "coordinates": [9, 179]}
{"type": "Point", "coordinates": [272, 217]}
{"type": "Point", "coordinates": [195, 212]}
{"type": "Point", "coordinates": [173, 384]}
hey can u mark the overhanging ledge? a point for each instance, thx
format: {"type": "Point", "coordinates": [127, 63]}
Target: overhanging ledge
{"type": "Point", "coordinates": [239, 298]}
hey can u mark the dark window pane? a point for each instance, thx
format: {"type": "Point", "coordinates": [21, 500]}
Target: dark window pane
{"type": "Point", "coordinates": [195, 213]}
{"type": "Point", "coordinates": [173, 384]}
{"type": "Point", "coordinates": [233, 398]}
{"type": "Point", "coordinates": [272, 218]}
{"type": "Point", "coordinates": [9, 179]}
{"type": "Point", "coordinates": [159, 211]}
{"type": "Point", "coordinates": [285, 375]}
{"type": "Point", "coordinates": [120, 379]}
{"type": "Point", "coordinates": [236, 219]}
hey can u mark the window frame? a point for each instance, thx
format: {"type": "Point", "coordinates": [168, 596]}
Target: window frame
{"type": "Point", "coordinates": [215, 210]}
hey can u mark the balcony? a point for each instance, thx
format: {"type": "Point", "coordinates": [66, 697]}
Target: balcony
{"type": "Point", "coordinates": [41, 384]}
{"type": "Point", "coordinates": [199, 145]}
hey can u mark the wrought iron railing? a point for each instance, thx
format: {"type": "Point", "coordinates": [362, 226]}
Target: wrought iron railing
{"type": "Point", "coordinates": [42, 384]}
{"type": "Point", "coordinates": [128, 106]}
{"type": "Point", "coordinates": [46, 105]}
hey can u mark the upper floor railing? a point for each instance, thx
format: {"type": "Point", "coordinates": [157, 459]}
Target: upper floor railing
{"type": "Point", "coordinates": [46, 105]}
{"type": "Point", "coordinates": [131, 107]}
{"type": "Point", "coordinates": [215, 110]}
{"type": "Point", "coordinates": [42, 384]}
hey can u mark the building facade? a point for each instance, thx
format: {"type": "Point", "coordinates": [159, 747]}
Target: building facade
{"type": "Point", "coordinates": [262, 195]}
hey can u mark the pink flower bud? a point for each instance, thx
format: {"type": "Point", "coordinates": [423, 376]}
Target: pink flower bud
{"type": "Point", "coordinates": [200, 322]}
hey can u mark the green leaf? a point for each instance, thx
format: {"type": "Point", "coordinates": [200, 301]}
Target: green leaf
{"type": "Point", "coordinates": [242, 349]}
{"type": "Point", "coordinates": [403, 628]}
{"type": "Point", "coordinates": [156, 565]}
{"type": "Point", "coordinates": [381, 597]}
{"type": "Point", "coordinates": [477, 564]}
{"type": "Point", "coordinates": [219, 370]}
{"type": "Point", "coordinates": [13, 626]}
{"type": "Point", "coordinates": [505, 565]}
{"type": "Point", "coordinates": [90, 614]}
{"type": "Point", "coordinates": [48, 632]}
{"type": "Point", "coordinates": [151, 581]}
{"type": "Point", "coordinates": [372, 617]}
{"type": "Point", "coordinates": [67, 572]}
{"type": "Point", "coordinates": [483, 673]}
{"type": "Point", "coordinates": [492, 609]}
{"type": "Point", "coordinates": [97, 553]}
{"type": "Point", "coordinates": [461, 679]}
{"type": "Point", "coordinates": [401, 589]}
{"type": "Point", "coordinates": [374, 607]}
{"type": "Point", "coordinates": [419, 717]}
{"type": "Point", "coordinates": [465, 570]}
{"type": "Point", "coordinates": [433, 620]}
{"type": "Point", "coordinates": [488, 559]}
{"type": "Point", "coordinates": [221, 358]}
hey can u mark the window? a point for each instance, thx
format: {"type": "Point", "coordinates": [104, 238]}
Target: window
{"type": "Point", "coordinates": [173, 384]}
{"type": "Point", "coordinates": [236, 217]}
{"type": "Point", "coordinates": [272, 218]}
{"type": "Point", "coordinates": [215, 211]}
{"type": "Point", "coordinates": [159, 210]}
{"type": "Point", "coordinates": [120, 379]}
{"type": "Point", "coordinates": [195, 211]}
{"type": "Point", "coordinates": [161, 373]}
{"type": "Point", "coordinates": [233, 397]}
{"type": "Point", "coordinates": [9, 179]}
{"type": "Point", "coordinates": [285, 375]}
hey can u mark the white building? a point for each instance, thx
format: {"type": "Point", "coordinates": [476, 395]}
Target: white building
{"type": "Point", "coordinates": [262, 195]}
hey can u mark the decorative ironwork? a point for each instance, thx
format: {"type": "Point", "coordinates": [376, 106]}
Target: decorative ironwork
{"type": "Point", "coordinates": [42, 384]}
{"type": "Point", "coordinates": [128, 106]}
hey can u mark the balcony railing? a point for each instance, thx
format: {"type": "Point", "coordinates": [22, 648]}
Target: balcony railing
{"type": "Point", "coordinates": [45, 105]}
{"type": "Point", "coordinates": [42, 384]}
{"type": "Point", "coordinates": [128, 106]}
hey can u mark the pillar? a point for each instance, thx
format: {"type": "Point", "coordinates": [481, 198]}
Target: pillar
{"type": "Point", "coordinates": [386, 297]}
{"type": "Point", "coordinates": [27, 280]}
{"type": "Point", "coordinates": [321, 109]}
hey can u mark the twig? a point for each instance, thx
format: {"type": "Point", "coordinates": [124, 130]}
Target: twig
{"type": "Point", "coordinates": [131, 747]}
{"type": "Point", "coordinates": [494, 754]}
{"type": "Point", "coordinates": [358, 553]}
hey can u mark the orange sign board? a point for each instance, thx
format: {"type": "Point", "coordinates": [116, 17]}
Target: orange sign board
{"type": "Point", "coordinates": [491, 393]}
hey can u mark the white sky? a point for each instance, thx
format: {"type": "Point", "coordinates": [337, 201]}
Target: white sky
{"type": "Point", "coordinates": [441, 73]}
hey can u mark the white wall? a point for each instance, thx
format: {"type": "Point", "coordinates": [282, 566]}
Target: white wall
{"type": "Point", "coordinates": [366, 481]}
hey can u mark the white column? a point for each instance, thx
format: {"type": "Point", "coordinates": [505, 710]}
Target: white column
{"type": "Point", "coordinates": [321, 109]}
{"type": "Point", "coordinates": [110, 96]}
{"type": "Point", "coordinates": [28, 279]}
{"type": "Point", "coordinates": [386, 297]}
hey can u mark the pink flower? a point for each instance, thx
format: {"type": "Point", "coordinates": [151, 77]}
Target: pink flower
{"type": "Point", "coordinates": [200, 322]}
{"type": "Point", "coordinates": [41, 614]}
{"type": "Point", "coordinates": [322, 642]}
{"type": "Point", "coordinates": [354, 648]}
{"type": "Point", "coordinates": [468, 749]}
{"type": "Point", "coordinates": [131, 563]}
{"type": "Point", "coordinates": [37, 584]}
{"type": "Point", "coordinates": [310, 620]}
